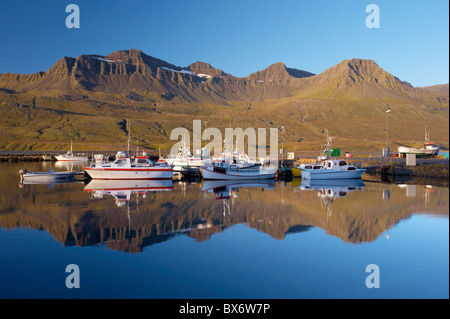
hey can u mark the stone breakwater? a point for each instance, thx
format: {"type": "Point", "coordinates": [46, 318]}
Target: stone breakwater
{"type": "Point", "coordinates": [50, 156]}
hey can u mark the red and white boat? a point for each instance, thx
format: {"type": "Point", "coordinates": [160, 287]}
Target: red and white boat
{"type": "Point", "coordinates": [123, 168]}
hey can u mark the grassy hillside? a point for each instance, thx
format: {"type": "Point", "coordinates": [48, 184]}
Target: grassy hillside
{"type": "Point", "coordinates": [89, 100]}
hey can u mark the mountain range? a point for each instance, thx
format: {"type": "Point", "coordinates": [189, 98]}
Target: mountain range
{"type": "Point", "coordinates": [87, 98]}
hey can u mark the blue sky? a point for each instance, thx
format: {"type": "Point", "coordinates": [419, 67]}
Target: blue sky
{"type": "Point", "coordinates": [239, 37]}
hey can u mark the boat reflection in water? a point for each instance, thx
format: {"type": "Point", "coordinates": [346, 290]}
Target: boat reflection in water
{"type": "Point", "coordinates": [50, 183]}
{"type": "Point", "coordinates": [122, 190]}
{"type": "Point", "coordinates": [228, 190]}
{"type": "Point", "coordinates": [69, 166]}
{"type": "Point", "coordinates": [225, 189]}
{"type": "Point", "coordinates": [329, 190]}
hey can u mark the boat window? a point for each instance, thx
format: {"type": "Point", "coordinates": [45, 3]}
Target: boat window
{"type": "Point", "coordinates": [121, 161]}
{"type": "Point", "coordinates": [329, 164]}
{"type": "Point", "coordinates": [317, 167]}
{"type": "Point", "coordinates": [342, 193]}
{"type": "Point", "coordinates": [351, 168]}
{"type": "Point", "coordinates": [142, 161]}
{"type": "Point", "coordinates": [342, 163]}
{"type": "Point", "coordinates": [308, 167]}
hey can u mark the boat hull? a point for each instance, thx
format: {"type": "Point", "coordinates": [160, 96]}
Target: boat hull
{"type": "Point", "coordinates": [126, 185]}
{"type": "Point", "coordinates": [330, 174]}
{"type": "Point", "coordinates": [418, 152]}
{"type": "Point", "coordinates": [44, 177]}
{"type": "Point", "coordinates": [262, 174]}
{"type": "Point", "coordinates": [63, 158]}
{"type": "Point", "coordinates": [129, 173]}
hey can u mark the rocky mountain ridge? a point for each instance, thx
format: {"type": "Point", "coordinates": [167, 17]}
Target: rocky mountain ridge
{"type": "Point", "coordinates": [127, 70]}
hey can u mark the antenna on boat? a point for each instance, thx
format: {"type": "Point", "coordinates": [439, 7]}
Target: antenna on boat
{"type": "Point", "coordinates": [129, 137]}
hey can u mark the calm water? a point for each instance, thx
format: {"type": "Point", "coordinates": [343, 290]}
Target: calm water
{"type": "Point", "coordinates": [212, 240]}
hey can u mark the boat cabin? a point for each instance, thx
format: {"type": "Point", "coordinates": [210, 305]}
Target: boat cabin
{"type": "Point", "coordinates": [222, 166]}
{"type": "Point", "coordinates": [339, 165]}
{"type": "Point", "coordinates": [124, 160]}
{"type": "Point", "coordinates": [311, 166]}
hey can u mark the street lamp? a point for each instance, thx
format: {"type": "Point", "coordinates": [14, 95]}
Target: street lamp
{"type": "Point", "coordinates": [387, 132]}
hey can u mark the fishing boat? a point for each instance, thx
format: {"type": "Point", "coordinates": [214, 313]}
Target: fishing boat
{"type": "Point", "coordinates": [226, 170]}
{"type": "Point", "coordinates": [327, 167]}
{"type": "Point", "coordinates": [429, 148]}
{"type": "Point", "coordinates": [69, 157]}
{"type": "Point", "coordinates": [49, 176]}
{"type": "Point", "coordinates": [419, 152]}
{"type": "Point", "coordinates": [332, 169]}
{"type": "Point", "coordinates": [123, 168]}
{"type": "Point", "coordinates": [184, 159]}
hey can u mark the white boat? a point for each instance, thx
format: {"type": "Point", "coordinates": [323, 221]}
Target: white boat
{"type": "Point", "coordinates": [429, 149]}
{"type": "Point", "coordinates": [225, 170]}
{"type": "Point", "coordinates": [327, 167]}
{"type": "Point", "coordinates": [332, 169]}
{"type": "Point", "coordinates": [69, 157]}
{"type": "Point", "coordinates": [49, 176]}
{"type": "Point", "coordinates": [419, 152]}
{"type": "Point", "coordinates": [123, 168]}
{"type": "Point", "coordinates": [184, 159]}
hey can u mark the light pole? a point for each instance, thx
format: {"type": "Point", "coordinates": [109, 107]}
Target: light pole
{"type": "Point", "coordinates": [387, 132]}
{"type": "Point", "coordinates": [282, 143]}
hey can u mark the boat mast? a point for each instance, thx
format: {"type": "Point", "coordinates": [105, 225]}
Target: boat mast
{"type": "Point", "coordinates": [129, 138]}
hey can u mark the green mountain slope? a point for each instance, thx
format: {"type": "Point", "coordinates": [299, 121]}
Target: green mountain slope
{"type": "Point", "coordinates": [87, 97]}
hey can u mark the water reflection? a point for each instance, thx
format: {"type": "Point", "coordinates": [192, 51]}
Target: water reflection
{"type": "Point", "coordinates": [130, 215]}
{"type": "Point", "coordinates": [329, 190]}
{"type": "Point", "coordinates": [24, 183]}
{"type": "Point", "coordinates": [122, 190]}
{"type": "Point", "coordinates": [230, 189]}
{"type": "Point", "coordinates": [67, 166]}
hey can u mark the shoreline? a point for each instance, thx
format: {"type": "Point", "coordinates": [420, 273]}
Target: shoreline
{"type": "Point", "coordinates": [379, 168]}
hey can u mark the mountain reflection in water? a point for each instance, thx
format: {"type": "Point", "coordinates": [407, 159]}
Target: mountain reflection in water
{"type": "Point", "coordinates": [130, 215]}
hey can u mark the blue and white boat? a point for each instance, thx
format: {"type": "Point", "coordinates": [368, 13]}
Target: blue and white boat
{"type": "Point", "coordinates": [327, 167]}
{"type": "Point", "coordinates": [332, 169]}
